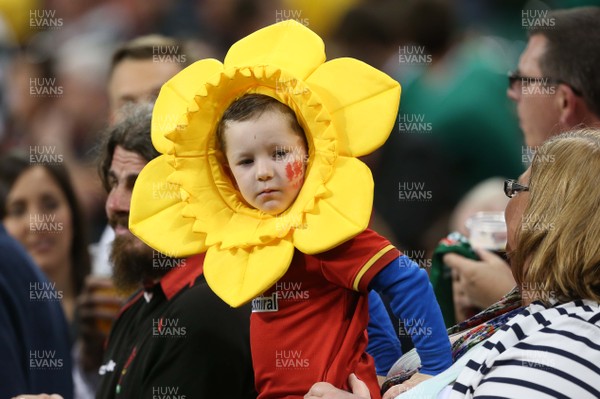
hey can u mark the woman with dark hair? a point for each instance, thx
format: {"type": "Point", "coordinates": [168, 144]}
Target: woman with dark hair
{"type": "Point", "coordinates": [39, 208]}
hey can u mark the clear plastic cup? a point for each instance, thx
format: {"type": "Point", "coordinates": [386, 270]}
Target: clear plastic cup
{"type": "Point", "coordinates": [487, 230]}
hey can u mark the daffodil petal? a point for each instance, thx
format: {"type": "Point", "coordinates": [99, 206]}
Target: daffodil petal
{"type": "Point", "coordinates": [156, 207]}
{"type": "Point", "coordinates": [238, 275]}
{"type": "Point", "coordinates": [343, 213]}
{"type": "Point", "coordinates": [175, 99]}
{"type": "Point", "coordinates": [362, 101]}
{"type": "Point", "coordinates": [288, 45]}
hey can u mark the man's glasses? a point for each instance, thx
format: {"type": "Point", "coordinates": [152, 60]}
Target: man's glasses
{"type": "Point", "coordinates": [511, 187]}
{"type": "Point", "coordinates": [514, 78]}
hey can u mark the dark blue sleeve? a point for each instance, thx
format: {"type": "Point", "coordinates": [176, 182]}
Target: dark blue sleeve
{"type": "Point", "coordinates": [384, 344]}
{"type": "Point", "coordinates": [35, 354]}
{"type": "Point", "coordinates": [413, 302]}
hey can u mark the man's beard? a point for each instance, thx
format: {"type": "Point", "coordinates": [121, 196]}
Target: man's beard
{"type": "Point", "coordinates": [133, 263]}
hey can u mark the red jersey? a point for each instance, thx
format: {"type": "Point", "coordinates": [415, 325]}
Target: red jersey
{"type": "Point", "coordinates": [311, 325]}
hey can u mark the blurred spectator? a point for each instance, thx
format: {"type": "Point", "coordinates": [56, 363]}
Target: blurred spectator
{"type": "Point", "coordinates": [140, 67]}
{"type": "Point", "coordinates": [39, 208]}
{"type": "Point", "coordinates": [453, 117]}
{"type": "Point", "coordinates": [223, 22]}
{"type": "Point", "coordinates": [556, 87]}
{"type": "Point", "coordinates": [486, 196]}
{"type": "Point", "coordinates": [34, 344]}
{"type": "Point", "coordinates": [557, 83]}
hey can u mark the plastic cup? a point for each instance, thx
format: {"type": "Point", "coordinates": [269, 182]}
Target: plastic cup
{"type": "Point", "coordinates": [487, 230]}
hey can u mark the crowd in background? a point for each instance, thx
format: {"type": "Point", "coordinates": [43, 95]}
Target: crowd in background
{"type": "Point", "coordinates": [455, 129]}
{"type": "Point", "coordinates": [451, 58]}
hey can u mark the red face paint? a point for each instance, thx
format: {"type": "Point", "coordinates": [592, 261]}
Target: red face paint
{"type": "Point", "coordinates": [294, 173]}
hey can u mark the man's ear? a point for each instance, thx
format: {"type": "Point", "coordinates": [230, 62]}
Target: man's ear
{"type": "Point", "coordinates": [569, 105]}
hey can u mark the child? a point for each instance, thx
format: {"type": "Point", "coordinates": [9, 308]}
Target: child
{"type": "Point", "coordinates": [260, 162]}
{"type": "Point", "coordinates": [317, 330]}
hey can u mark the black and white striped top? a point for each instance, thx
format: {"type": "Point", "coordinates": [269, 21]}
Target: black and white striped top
{"type": "Point", "coordinates": [544, 352]}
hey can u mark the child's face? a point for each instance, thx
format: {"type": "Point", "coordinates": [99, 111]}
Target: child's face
{"type": "Point", "coordinates": [267, 160]}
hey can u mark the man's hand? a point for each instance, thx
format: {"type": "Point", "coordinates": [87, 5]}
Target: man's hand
{"type": "Point", "coordinates": [325, 390]}
{"type": "Point", "coordinates": [479, 283]}
{"type": "Point", "coordinates": [412, 382]}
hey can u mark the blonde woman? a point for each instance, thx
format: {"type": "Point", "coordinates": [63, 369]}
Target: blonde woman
{"type": "Point", "coordinates": [550, 349]}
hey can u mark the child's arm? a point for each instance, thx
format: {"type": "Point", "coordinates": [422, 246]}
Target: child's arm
{"type": "Point", "coordinates": [413, 301]}
{"type": "Point", "coordinates": [384, 344]}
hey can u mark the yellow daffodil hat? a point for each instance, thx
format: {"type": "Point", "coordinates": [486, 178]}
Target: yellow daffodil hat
{"type": "Point", "coordinates": [183, 203]}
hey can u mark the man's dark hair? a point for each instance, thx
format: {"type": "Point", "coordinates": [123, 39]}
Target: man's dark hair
{"type": "Point", "coordinates": [132, 133]}
{"type": "Point", "coordinates": [145, 48]}
{"type": "Point", "coordinates": [573, 51]}
{"type": "Point", "coordinates": [251, 106]}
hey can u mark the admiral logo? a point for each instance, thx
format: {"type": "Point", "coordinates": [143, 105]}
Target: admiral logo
{"type": "Point", "coordinates": [265, 303]}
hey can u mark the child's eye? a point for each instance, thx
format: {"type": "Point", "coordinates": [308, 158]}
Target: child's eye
{"type": "Point", "coordinates": [280, 154]}
{"type": "Point", "coordinates": [247, 161]}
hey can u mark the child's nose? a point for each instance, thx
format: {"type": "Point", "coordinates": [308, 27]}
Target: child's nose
{"type": "Point", "coordinates": [264, 170]}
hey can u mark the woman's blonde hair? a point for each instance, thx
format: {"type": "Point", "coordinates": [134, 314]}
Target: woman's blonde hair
{"type": "Point", "coordinates": [557, 252]}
